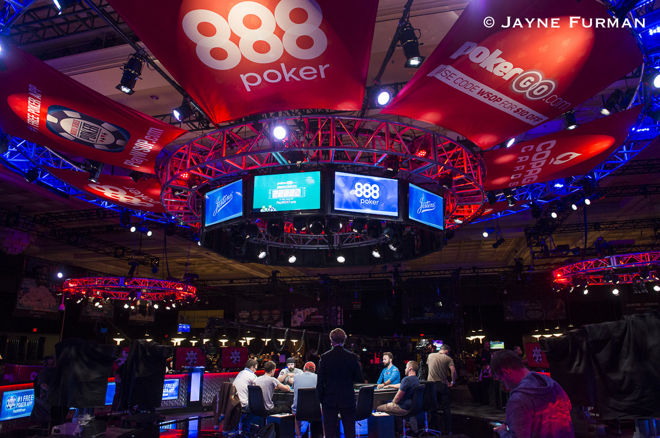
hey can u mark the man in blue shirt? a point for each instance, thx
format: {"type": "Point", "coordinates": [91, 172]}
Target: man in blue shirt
{"type": "Point", "coordinates": [389, 377]}
{"type": "Point", "coordinates": [402, 402]}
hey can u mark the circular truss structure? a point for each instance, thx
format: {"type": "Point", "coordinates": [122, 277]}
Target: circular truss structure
{"type": "Point", "coordinates": [615, 269]}
{"type": "Point", "coordinates": [345, 143]}
{"type": "Point", "coordinates": [127, 289]}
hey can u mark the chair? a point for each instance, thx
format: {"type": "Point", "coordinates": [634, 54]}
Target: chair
{"type": "Point", "coordinates": [308, 407]}
{"type": "Point", "coordinates": [430, 405]}
{"type": "Point", "coordinates": [416, 408]}
{"type": "Point", "coordinates": [256, 403]}
{"type": "Point", "coordinates": [365, 403]}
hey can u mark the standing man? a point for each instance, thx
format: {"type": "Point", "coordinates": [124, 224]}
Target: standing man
{"type": "Point", "coordinates": [338, 370]}
{"type": "Point", "coordinates": [443, 372]}
{"type": "Point", "coordinates": [287, 374]}
{"type": "Point", "coordinates": [537, 406]}
{"type": "Point", "coordinates": [308, 379]}
{"type": "Point", "coordinates": [268, 384]}
{"type": "Point", "coordinates": [245, 378]}
{"type": "Point", "coordinates": [390, 375]}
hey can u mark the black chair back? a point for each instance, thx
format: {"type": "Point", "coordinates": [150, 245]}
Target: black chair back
{"type": "Point", "coordinates": [365, 403]}
{"type": "Point", "coordinates": [417, 402]}
{"type": "Point", "coordinates": [309, 407]}
{"type": "Point", "coordinates": [430, 397]}
{"type": "Point", "coordinates": [256, 402]}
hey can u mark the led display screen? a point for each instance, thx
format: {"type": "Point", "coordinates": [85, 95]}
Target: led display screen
{"type": "Point", "coordinates": [366, 194]}
{"type": "Point", "coordinates": [496, 345]}
{"type": "Point", "coordinates": [184, 328]}
{"type": "Point", "coordinates": [425, 207]}
{"type": "Point", "coordinates": [287, 192]}
{"type": "Point", "coordinates": [17, 404]}
{"type": "Point", "coordinates": [224, 203]}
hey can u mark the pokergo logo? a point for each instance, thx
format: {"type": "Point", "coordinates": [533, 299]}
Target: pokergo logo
{"type": "Point", "coordinates": [209, 44]}
{"type": "Point", "coordinates": [530, 83]}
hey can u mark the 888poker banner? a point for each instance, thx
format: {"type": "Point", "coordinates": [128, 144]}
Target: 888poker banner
{"type": "Point", "coordinates": [44, 106]}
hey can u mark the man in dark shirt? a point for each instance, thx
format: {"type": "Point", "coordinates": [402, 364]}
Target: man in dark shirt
{"type": "Point", "coordinates": [443, 372]}
{"type": "Point", "coordinates": [403, 399]}
{"type": "Point", "coordinates": [338, 370]}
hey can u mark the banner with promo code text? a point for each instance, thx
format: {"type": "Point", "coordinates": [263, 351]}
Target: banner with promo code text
{"type": "Point", "coordinates": [560, 154]}
{"type": "Point", "coordinates": [239, 57]}
{"type": "Point", "coordinates": [506, 67]}
{"type": "Point", "coordinates": [120, 190]}
{"type": "Point", "coordinates": [44, 106]}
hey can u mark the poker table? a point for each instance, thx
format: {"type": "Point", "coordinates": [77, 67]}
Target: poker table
{"type": "Point", "coordinates": [381, 396]}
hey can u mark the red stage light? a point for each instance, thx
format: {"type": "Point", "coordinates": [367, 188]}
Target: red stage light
{"type": "Point", "coordinates": [184, 176]}
{"type": "Point", "coordinates": [421, 153]}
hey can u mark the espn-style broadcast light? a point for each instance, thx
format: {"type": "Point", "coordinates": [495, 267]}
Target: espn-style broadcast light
{"type": "Point", "coordinates": [132, 70]}
{"type": "Point", "coordinates": [410, 43]}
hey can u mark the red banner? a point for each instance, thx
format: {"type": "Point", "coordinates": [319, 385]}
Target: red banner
{"type": "Point", "coordinates": [495, 76]}
{"type": "Point", "coordinates": [189, 357]}
{"type": "Point", "coordinates": [535, 357]}
{"type": "Point", "coordinates": [237, 58]}
{"type": "Point", "coordinates": [234, 357]}
{"type": "Point", "coordinates": [558, 155]}
{"type": "Point", "coordinates": [44, 106]}
{"type": "Point", "coordinates": [121, 190]}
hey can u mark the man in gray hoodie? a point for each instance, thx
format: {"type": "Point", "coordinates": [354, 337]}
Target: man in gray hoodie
{"type": "Point", "coordinates": [538, 407]}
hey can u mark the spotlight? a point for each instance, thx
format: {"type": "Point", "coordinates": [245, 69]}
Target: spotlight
{"type": "Point", "coordinates": [292, 258]}
{"type": "Point", "coordinates": [612, 103]}
{"type": "Point", "coordinates": [60, 5]}
{"type": "Point", "coordinates": [182, 112]}
{"type": "Point", "coordinates": [574, 207]}
{"type": "Point", "coordinates": [358, 225]}
{"type": "Point", "coordinates": [262, 254]}
{"type": "Point", "coordinates": [393, 245]}
{"type": "Point", "coordinates": [279, 132]}
{"type": "Point", "coordinates": [375, 253]}
{"type": "Point", "coordinates": [126, 306]}
{"type": "Point", "coordinates": [569, 120]}
{"type": "Point", "coordinates": [485, 234]}
{"type": "Point", "coordinates": [510, 142]}
{"type": "Point", "coordinates": [656, 288]}
{"type": "Point", "coordinates": [299, 223]}
{"type": "Point", "coordinates": [383, 97]}
{"type": "Point", "coordinates": [554, 215]}
{"type": "Point", "coordinates": [199, 243]}
{"type": "Point", "coordinates": [498, 242]}
{"type": "Point", "coordinates": [133, 229]}
{"type": "Point", "coordinates": [132, 70]}
{"type": "Point", "coordinates": [149, 233]}
{"type": "Point", "coordinates": [587, 201]}
{"type": "Point", "coordinates": [410, 43]}
{"type": "Point", "coordinates": [656, 81]}
{"type": "Point", "coordinates": [508, 194]}
{"type": "Point", "coordinates": [173, 305]}
{"type": "Point", "coordinates": [559, 185]}
{"type": "Point", "coordinates": [95, 169]}
{"type": "Point", "coordinates": [615, 291]}
{"type": "Point", "coordinates": [156, 306]}
{"type": "Point", "coordinates": [341, 258]}
{"type": "Point", "coordinates": [585, 291]}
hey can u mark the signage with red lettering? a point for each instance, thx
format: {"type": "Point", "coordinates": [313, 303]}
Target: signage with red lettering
{"type": "Point", "coordinates": [189, 357]}
{"type": "Point", "coordinates": [558, 155]}
{"type": "Point", "coordinates": [535, 356]}
{"type": "Point", "coordinates": [238, 57]}
{"type": "Point", "coordinates": [493, 77]}
{"type": "Point", "coordinates": [121, 190]}
{"type": "Point", "coordinates": [44, 106]}
{"type": "Point", "coordinates": [234, 357]}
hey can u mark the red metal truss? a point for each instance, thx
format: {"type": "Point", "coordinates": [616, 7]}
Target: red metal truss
{"type": "Point", "coordinates": [622, 268]}
{"type": "Point", "coordinates": [312, 141]}
{"type": "Point", "coordinates": [122, 288]}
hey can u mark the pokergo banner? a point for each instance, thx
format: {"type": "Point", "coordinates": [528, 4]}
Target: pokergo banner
{"type": "Point", "coordinates": [506, 67]}
{"type": "Point", "coordinates": [121, 190]}
{"type": "Point", "coordinates": [560, 154]}
{"type": "Point", "coordinates": [237, 58]}
{"type": "Point", "coordinates": [44, 106]}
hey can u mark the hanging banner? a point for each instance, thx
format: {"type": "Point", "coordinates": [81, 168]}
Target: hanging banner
{"type": "Point", "coordinates": [189, 357]}
{"type": "Point", "coordinates": [234, 357]}
{"type": "Point", "coordinates": [44, 106]}
{"type": "Point", "coordinates": [237, 58]}
{"type": "Point", "coordinates": [121, 190]}
{"type": "Point", "coordinates": [535, 356]}
{"type": "Point", "coordinates": [506, 67]}
{"type": "Point", "coordinates": [558, 155]}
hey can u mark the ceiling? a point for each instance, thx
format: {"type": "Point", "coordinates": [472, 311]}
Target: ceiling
{"type": "Point", "coordinates": [95, 248]}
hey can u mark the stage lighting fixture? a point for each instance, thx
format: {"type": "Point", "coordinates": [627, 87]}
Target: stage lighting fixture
{"type": "Point", "coordinates": [656, 288]}
{"type": "Point", "coordinates": [612, 103]}
{"type": "Point", "coordinates": [656, 81]}
{"type": "Point", "coordinates": [510, 142]}
{"type": "Point", "coordinates": [275, 228]}
{"type": "Point", "coordinates": [508, 194]}
{"type": "Point", "coordinates": [32, 175]}
{"type": "Point", "coordinates": [299, 223]}
{"type": "Point", "coordinates": [615, 291]}
{"type": "Point", "coordinates": [358, 225]}
{"type": "Point", "coordinates": [393, 245]}
{"type": "Point", "coordinates": [392, 165]}
{"type": "Point", "coordinates": [585, 291]}
{"type": "Point", "coordinates": [126, 306]}
{"type": "Point", "coordinates": [279, 132]}
{"type": "Point", "coordinates": [554, 215]}
{"type": "Point", "coordinates": [292, 258]}
{"type": "Point", "coordinates": [133, 229]}
{"type": "Point", "coordinates": [498, 242]}
{"type": "Point", "coordinates": [95, 169]}
{"type": "Point", "coordinates": [410, 43]}
{"type": "Point", "coordinates": [182, 112]}
{"type": "Point", "coordinates": [262, 254]}
{"type": "Point", "coordinates": [485, 234]}
{"type": "Point", "coordinates": [60, 275]}
{"type": "Point", "coordinates": [492, 197]}
{"type": "Point", "coordinates": [149, 233]}
{"type": "Point", "coordinates": [587, 201]}
{"type": "Point", "coordinates": [316, 226]}
{"type": "Point", "coordinates": [570, 122]}
{"type": "Point", "coordinates": [132, 70]}
{"type": "Point", "coordinates": [252, 230]}
{"type": "Point", "coordinates": [383, 97]}
{"type": "Point", "coordinates": [574, 207]}
{"type": "Point", "coordinates": [156, 306]}
{"type": "Point", "coordinates": [375, 253]}
{"type": "Point", "coordinates": [335, 225]}
{"type": "Point", "coordinates": [199, 243]}
{"type": "Point", "coordinates": [61, 5]}
{"type": "Point", "coordinates": [341, 258]}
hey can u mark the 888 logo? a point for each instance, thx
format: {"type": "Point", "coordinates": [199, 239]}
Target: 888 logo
{"type": "Point", "coordinates": [366, 190]}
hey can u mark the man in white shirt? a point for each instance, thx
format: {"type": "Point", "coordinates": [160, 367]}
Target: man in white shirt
{"type": "Point", "coordinates": [268, 384]}
{"type": "Point", "coordinates": [245, 378]}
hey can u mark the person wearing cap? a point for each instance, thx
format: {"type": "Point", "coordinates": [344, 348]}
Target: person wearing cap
{"type": "Point", "coordinates": [287, 374]}
{"type": "Point", "coordinates": [307, 379]}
